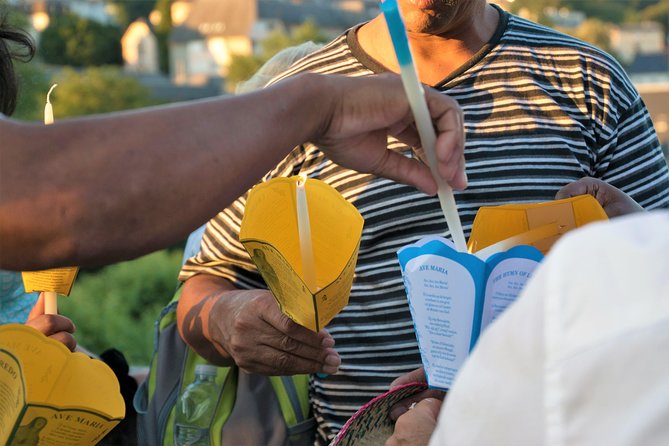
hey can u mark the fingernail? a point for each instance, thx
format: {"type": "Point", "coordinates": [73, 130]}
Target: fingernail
{"type": "Point", "coordinates": [333, 359]}
{"type": "Point", "coordinates": [327, 342]}
{"type": "Point", "coordinates": [330, 370]}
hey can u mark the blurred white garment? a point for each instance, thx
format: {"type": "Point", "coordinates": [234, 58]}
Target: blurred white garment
{"type": "Point", "coordinates": [582, 358]}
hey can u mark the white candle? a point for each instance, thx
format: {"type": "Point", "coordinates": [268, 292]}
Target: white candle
{"type": "Point", "coordinates": [426, 132]}
{"type": "Point", "coordinates": [50, 302]}
{"type": "Point", "coordinates": [304, 231]}
{"type": "Point", "coordinates": [48, 109]}
{"type": "Point", "coordinates": [50, 297]}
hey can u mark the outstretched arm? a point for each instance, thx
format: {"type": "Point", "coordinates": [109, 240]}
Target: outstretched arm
{"type": "Point", "coordinates": [106, 188]}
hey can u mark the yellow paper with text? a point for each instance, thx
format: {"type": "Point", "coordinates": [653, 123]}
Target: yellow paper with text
{"type": "Point", "coordinates": [542, 223]}
{"type": "Point", "coordinates": [58, 280]}
{"type": "Point", "coordinates": [51, 396]}
{"type": "Point", "coordinates": [269, 233]}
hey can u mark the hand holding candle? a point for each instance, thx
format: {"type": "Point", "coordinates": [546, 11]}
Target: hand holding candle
{"type": "Point", "coordinates": [51, 281]}
{"type": "Point", "coordinates": [416, 96]}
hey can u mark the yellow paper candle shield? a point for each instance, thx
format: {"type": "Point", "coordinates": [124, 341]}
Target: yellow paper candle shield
{"type": "Point", "coordinates": [57, 280]}
{"type": "Point", "coordinates": [271, 236]}
{"type": "Point", "coordinates": [537, 224]}
{"type": "Point", "coordinates": [50, 395]}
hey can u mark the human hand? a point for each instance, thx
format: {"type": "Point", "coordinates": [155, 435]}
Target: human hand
{"type": "Point", "coordinates": [55, 326]}
{"type": "Point", "coordinates": [403, 406]}
{"type": "Point", "coordinates": [366, 110]}
{"type": "Point", "coordinates": [614, 201]}
{"type": "Point", "coordinates": [248, 326]}
{"type": "Point", "coordinates": [415, 427]}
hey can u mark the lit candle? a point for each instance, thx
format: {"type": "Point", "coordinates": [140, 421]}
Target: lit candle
{"type": "Point", "coordinates": [50, 297]}
{"type": "Point", "coordinates": [48, 109]}
{"type": "Point", "coordinates": [304, 230]}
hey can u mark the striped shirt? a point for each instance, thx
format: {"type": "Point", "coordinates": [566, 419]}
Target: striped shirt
{"type": "Point", "coordinates": [541, 110]}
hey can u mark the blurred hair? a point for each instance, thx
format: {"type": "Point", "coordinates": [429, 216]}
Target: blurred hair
{"type": "Point", "coordinates": [14, 44]}
{"type": "Point", "coordinates": [279, 63]}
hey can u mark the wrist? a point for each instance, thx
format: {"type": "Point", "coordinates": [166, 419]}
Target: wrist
{"type": "Point", "coordinates": [317, 101]}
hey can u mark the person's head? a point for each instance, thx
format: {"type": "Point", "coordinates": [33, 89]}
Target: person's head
{"type": "Point", "coordinates": [439, 16]}
{"type": "Point", "coordinates": [279, 63]}
{"type": "Point", "coordinates": [14, 44]}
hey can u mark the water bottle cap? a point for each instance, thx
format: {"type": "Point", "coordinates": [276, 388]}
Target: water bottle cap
{"type": "Point", "coordinates": [205, 369]}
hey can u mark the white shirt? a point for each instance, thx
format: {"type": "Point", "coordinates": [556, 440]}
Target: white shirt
{"type": "Point", "coordinates": [582, 358]}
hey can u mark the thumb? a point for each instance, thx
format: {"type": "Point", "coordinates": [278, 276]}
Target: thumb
{"type": "Point", "coordinates": [38, 308]}
{"type": "Point", "coordinates": [430, 406]}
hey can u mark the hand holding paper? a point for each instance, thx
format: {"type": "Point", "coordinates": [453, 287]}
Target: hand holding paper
{"type": "Point", "coordinates": [305, 253]}
{"type": "Point", "coordinates": [71, 398]}
{"type": "Point", "coordinates": [453, 295]}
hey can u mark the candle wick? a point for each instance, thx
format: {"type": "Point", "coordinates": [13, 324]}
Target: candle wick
{"type": "Point", "coordinates": [48, 95]}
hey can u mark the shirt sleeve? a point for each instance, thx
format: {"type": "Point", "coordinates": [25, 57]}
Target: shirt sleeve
{"type": "Point", "coordinates": [632, 160]}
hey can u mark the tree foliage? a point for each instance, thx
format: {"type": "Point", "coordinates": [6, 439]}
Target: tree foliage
{"type": "Point", "coordinates": [33, 86]}
{"type": "Point", "coordinates": [594, 31]}
{"type": "Point", "coordinates": [117, 305]}
{"type": "Point", "coordinates": [242, 67]}
{"type": "Point", "coordinates": [127, 11]}
{"type": "Point", "coordinates": [76, 41]}
{"type": "Point", "coordinates": [162, 29]}
{"type": "Point", "coordinates": [97, 90]}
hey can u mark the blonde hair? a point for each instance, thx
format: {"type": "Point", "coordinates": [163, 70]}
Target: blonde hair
{"type": "Point", "coordinates": [276, 65]}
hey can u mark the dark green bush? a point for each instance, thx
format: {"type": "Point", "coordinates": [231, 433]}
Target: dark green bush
{"type": "Point", "coordinates": [117, 305]}
{"type": "Point", "coordinates": [76, 41]}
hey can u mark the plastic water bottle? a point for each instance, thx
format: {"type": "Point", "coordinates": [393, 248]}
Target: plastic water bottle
{"type": "Point", "coordinates": [196, 407]}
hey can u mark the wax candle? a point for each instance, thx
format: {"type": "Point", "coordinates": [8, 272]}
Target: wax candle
{"type": "Point", "coordinates": [304, 230]}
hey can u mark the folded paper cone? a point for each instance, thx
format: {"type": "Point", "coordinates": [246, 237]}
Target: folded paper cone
{"type": "Point", "coordinates": [269, 232]}
{"type": "Point", "coordinates": [548, 220]}
{"type": "Point", "coordinates": [56, 396]}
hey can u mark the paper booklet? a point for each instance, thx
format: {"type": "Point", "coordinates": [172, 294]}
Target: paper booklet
{"type": "Point", "coordinates": [51, 396]}
{"type": "Point", "coordinates": [453, 296]}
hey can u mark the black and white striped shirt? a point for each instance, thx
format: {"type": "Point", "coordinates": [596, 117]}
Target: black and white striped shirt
{"type": "Point", "coordinates": [541, 110]}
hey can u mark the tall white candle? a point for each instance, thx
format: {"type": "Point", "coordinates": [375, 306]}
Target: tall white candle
{"type": "Point", "coordinates": [304, 230]}
{"type": "Point", "coordinates": [50, 297]}
{"type": "Point", "coordinates": [426, 132]}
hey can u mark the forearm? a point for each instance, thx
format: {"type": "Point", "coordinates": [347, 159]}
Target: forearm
{"type": "Point", "coordinates": [144, 179]}
{"type": "Point", "coordinates": [197, 299]}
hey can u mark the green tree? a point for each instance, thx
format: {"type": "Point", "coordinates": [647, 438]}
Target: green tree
{"type": "Point", "coordinates": [605, 10]}
{"type": "Point", "coordinates": [127, 11]}
{"type": "Point", "coordinates": [33, 86]}
{"type": "Point", "coordinates": [242, 67]}
{"type": "Point", "coordinates": [117, 305]}
{"type": "Point", "coordinates": [162, 30]}
{"type": "Point", "coordinates": [594, 31]}
{"type": "Point", "coordinates": [657, 12]}
{"type": "Point", "coordinates": [97, 90]}
{"type": "Point", "coordinates": [76, 41]}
